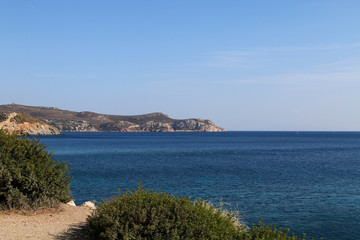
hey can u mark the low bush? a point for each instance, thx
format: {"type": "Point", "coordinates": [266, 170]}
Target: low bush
{"type": "Point", "coordinates": [143, 214]}
{"type": "Point", "coordinates": [29, 178]}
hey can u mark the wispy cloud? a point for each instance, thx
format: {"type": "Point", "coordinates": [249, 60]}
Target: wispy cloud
{"type": "Point", "coordinates": [308, 79]}
{"type": "Point", "coordinates": [349, 64]}
{"type": "Point", "coordinates": [323, 47]}
{"type": "Point", "coordinates": [334, 65]}
{"type": "Point", "coordinates": [247, 58]}
{"type": "Point", "coordinates": [228, 59]}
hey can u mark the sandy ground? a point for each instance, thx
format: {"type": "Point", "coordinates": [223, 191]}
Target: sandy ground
{"type": "Point", "coordinates": [66, 223]}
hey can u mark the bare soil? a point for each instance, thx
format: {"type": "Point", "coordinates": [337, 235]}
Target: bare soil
{"type": "Point", "coordinates": [68, 222]}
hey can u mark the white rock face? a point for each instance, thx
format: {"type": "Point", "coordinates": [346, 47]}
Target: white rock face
{"type": "Point", "coordinates": [89, 204]}
{"type": "Point", "coordinates": [71, 203]}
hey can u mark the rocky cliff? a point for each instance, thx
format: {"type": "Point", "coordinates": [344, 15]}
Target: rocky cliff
{"type": "Point", "coordinates": [94, 122]}
{"type": "Point", "coordinates": [23, 124]}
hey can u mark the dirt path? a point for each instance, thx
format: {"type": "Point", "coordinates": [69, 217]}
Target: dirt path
{"type": "Point", "coordinates": [67, 223]}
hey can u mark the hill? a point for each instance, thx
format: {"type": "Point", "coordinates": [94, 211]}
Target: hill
{"type": "Point", "coordinates": [24, 124]}
{"type": "Point", "coordinates": [69, 121]}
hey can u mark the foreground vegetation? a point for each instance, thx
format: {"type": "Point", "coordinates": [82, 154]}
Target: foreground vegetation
{"type": "Point", "coordinates": [29, 177]}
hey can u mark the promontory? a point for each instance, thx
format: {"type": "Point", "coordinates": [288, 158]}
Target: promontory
{"type": "Point", "coordinates": [70, 121]}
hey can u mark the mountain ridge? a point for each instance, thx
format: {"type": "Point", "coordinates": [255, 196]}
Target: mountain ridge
{"type": "Point", "coordinates": [86, 121]}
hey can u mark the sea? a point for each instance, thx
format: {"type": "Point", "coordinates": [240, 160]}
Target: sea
{"type": "Point", "coordinates": [306, 181]}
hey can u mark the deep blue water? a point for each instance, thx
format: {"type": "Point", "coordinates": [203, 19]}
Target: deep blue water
{"type": "Point", "coordinates": [309, 182]}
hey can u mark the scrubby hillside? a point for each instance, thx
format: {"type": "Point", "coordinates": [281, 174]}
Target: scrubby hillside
{"type": "Point", "coordinates": [94, 122]}
{"type": "Point", "coordinates": [23, 124]}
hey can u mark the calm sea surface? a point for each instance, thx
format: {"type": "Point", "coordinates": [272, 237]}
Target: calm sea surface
{"type": "Point", "coordinates": [309, 182]}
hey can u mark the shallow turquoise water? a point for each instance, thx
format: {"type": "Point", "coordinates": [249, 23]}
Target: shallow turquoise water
{"type": "Point", "coordinates": [309, 182]}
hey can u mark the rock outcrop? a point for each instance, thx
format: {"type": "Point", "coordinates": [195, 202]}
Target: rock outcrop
{"type": "Point", "coordinates": [200, 125]}
{"type": "Point", "coordinates": [23, 124]}
{"type": "Point", "coordinates": [89, 204]}
{"type": "Point", "coordinates": [68, 121]}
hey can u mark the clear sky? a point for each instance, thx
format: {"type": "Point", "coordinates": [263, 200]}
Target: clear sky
{"type": "Point", "coordinates": [246, 65]}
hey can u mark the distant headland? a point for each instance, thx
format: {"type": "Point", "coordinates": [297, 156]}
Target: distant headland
{"type": "Point", "coordinates": [55, 120]}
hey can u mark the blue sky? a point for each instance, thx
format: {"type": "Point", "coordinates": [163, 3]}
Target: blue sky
{"type": "Point", "coordinates": [246, 65]}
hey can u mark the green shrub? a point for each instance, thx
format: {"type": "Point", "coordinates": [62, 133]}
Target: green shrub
{"type": "Point", "coordinates": [29, 178]}
{"type": "Point", "coordinates": [269, 232]}
{"type": "Point", "coordinates": [141, 214]}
